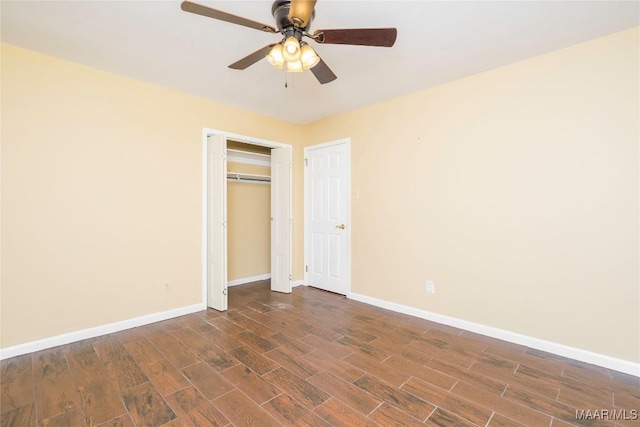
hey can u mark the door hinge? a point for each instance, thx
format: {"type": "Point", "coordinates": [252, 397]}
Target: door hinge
{"type": "Point", "coordinates": [306, 268]}
{"type": "Point", "coordinates": [224, 224]}
{"type": "Point", "coordinates": [306, 162]}
{"type": "Point", "coordinates": [290, 278]}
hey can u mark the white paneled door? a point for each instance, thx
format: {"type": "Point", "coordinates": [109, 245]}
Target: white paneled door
{"type": "Point", "coordinates": [217, 222]}
{"type": "Point", "coordinates": [281, 219]}
{"type": "Point", "coordinates": [327, 228]}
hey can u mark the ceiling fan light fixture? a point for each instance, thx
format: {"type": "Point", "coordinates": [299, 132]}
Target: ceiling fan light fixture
{"type": "Point", "coordinates": [294, 67]}
{"type": "Point", "coordinates": [308, 56]}
{"type": "Point", "coordinates": [275, 57]}
{"type": "Point", "coordinates": [291, 51]}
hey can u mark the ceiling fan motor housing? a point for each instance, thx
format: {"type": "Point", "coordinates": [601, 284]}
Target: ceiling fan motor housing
{"type": "Point", "coordinates": [280, 10]}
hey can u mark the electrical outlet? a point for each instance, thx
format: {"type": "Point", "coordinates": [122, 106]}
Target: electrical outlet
{"type": "Point", "coordinates": [167, 287]}
{"type": "Point", "coordinates": [431, 287]}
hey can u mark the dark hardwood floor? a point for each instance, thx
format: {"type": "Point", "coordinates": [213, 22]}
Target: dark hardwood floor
{"type": "Point", "coordinates": [308, 358]}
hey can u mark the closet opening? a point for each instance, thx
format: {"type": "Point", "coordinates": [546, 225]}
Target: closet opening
{"type": "Point", "coordinates": [246, 216]}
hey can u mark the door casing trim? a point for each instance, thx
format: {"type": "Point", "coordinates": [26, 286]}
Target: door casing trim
{"type": "Point", "coordinates": [206, 132]}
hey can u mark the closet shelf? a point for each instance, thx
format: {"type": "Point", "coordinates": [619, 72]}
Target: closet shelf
{"type": "Point", "coordinates": [248, 157]}
{"type": "Point", "coordinates": [248, 177]}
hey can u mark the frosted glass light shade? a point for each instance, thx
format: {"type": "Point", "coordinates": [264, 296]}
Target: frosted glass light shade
{"type": "Point", "coordinates": [308, 57]}
{"type": "Point", "coordinates": [294, 67]}
{"type": "Point", "coordinates": [291, 49]}
{"type": "Point", "coordinates": [275, 57]}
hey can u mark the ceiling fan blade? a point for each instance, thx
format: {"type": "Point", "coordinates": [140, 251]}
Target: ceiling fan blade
{"type": "Point", "coordinates": [252, 58]}
{"type": "Point", "coordinates": [323, 73]}
{"type": "Point", "coordinates": [383, 37]}
{"type": "Point", "coordinates": [300, 12]}
{"type": "Point", "coordinates": [199, 9]}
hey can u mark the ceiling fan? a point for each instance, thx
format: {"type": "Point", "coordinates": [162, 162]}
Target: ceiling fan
{"type": "Point", "coordinates": [293, 20]}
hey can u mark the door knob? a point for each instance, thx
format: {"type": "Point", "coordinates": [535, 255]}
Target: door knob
{"type": "Point", "coordinates": [341, 226]}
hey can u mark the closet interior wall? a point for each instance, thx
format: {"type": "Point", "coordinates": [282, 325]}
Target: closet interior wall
{"type": "Point", "coordinates": [248, 216]}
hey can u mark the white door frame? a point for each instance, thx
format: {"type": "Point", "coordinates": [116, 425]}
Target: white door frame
{"type": "Point", "coordinates": [205, 164]}
{"type": "Point", "coordinates": [307, 209]}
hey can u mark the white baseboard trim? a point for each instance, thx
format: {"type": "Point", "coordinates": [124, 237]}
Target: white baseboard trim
{"type": "Point", "coordinates": [244, 280]}
{"type": "Point", "coordinates": [110, 328]}
{"type": "Point", "coordinates": [586, 356]}
{"type": "Point", "coordinates": [297, 283]}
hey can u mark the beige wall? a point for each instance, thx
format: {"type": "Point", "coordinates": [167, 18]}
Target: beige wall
{"type": "Point", "coordinates": [101, 194]}
{"type": "Point", "coordinates": [248, 224]}
{"type": "Point", "coordinates": [515, 190]}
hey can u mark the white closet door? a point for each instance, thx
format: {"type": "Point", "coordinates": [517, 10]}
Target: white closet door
{"type": "Point", "coordinates": [217, 222]}
{"type": "Point", "coordinates": [281, 219]}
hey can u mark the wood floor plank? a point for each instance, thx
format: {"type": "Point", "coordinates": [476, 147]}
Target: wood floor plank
{"type": "Point", "coordinates": [519, 355]}
{"type": "Point", "coordinates": [348, 393]}
{"type": "Point", "coordinates": [253, 385]}
{"type": "Point", "coordinates": [501, 421]}
{"type": "Point", "coordinates": [289, 412]}
{"type": "Point", "coordinates": [387, 415]}
{"type": "Point", "coordinates": [125, 371]}
{"type": "Point", "coordinates": [332, 347]}
{"type": "Point", "coordinates": [539, 376]}
{"type": "Point", "coordinates": [337, 414]}
{"type": "Point", "coordinates": [221, 339]}
{"type": "Point", "coordinates": [146, 406]}
{"type": "Point", "coordinates": [216, 357]}
{"type": "Point", "coordinates": [227, 326]}
{"type": "Point", "coordinates": [121, 421]}
{"type": "Point", "coordinates": [195, 410]}
{"type": "Point", "coordinates": [443, 418]}
{"type": "Point", "coordinates": [292, 362]}
{"type": "Point", "coordinates": [424, 373]}
{"type": "Point", "coordinates": [165, 377]}
{"type": "Point", "coordinates": [504, 370]}
{"type": "Point", "coordinates": [249, 325]}
{"type": "Point", "coordinates": [291, 344]}
{"type": "Point", "coordinates": [208, 380]}
{"type": "Point", "coordinates": [449, 402]}
{"type": "Point", "coordinates": [256, 361]}
{"type": "Point", "coordinates": [21, 416]}
{"type": "Point", "coordinates": [72, 417]}
{"type": "Point", "coordinates": [499, 404]}
{"type": "Point", "coordinates": [54, 388]}
{"type": "Point", "coordinates": [296, 387]}
{"type": "Point", "coordinates": [552, 407]}
{"type": "Point", "coordinates": [366, 349]}
{"type": "Point", "coordinates": [177, 353]}
{"type": "Point", "coordinates": [409, 403]}
{"type": "Point", "coordinates": [256, 342]}
{"type": "Point", "coordinates": [143, 351]}
{"type": "Point", "coordinates": [109, 347]}
{"type": "Point", "coordinates": [100, 402]}
{"type": "Point", "coordinates": [86, 368]}
{"type": "Point", "coordinates": [331, 364]}
{"type": "Point", "coordinates": [468, 376]}
{"type": "Point", "coordinates": [16, 384]}
{"type": "Point", "coordinates": [384, 372]}
{"type": "Point", "coordinates": [242, 411]}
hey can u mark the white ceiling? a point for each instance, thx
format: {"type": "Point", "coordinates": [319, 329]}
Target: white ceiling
{"type": "Point", "coordinates": [438, 41]}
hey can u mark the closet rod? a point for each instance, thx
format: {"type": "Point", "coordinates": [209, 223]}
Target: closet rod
{"type": "Point", "coordinates": [248, 177]}
{"type": "Point", "coordinates": [248, 181]}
